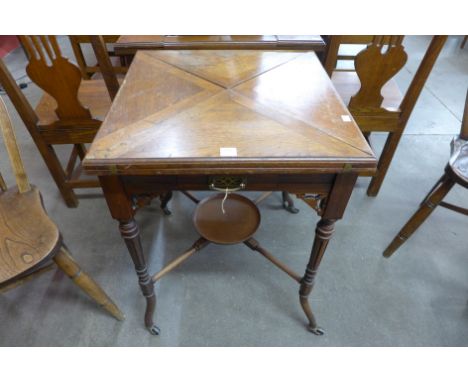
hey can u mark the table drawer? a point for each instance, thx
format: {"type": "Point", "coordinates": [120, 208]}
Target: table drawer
{"type": "Point", "coordinates": [317, 183]}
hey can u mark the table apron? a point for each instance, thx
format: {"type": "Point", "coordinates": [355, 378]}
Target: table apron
{"type": "Point", "coordinates": [315, 183]}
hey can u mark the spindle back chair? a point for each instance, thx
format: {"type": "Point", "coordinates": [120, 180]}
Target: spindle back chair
{"type": "Point", "coordinates": [29, 240]}
{"type": "Point", "coordinates": [456, 172]}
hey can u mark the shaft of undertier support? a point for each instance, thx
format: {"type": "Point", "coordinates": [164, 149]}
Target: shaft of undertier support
{"type": "Point", "coordinates": [199, 244]}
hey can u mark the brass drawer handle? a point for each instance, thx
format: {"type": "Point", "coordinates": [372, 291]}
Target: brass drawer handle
{"type": "Point", "coordinates": [227, 189]}
{"type": "Point", "coordinates": [227, 183]}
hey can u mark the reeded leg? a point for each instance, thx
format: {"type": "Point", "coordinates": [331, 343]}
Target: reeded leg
{"type": "Point", "coordinates": [164, 201]}
{"type": "Point", "coordinates": [131, 234]}
{"type": "Point", "coordinates": [442, 188]}
{"type": "Point", "coordinates": [323, 233]}
{"type": "Point", "coordinates": [288, 203]}
{"type": "Point", "coordinates": [68, 265]}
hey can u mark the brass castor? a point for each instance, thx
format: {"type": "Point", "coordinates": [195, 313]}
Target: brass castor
{"type": "Point", "coordinates": [318, 331]}
{"type": "Point", "coordinates": [154, 330]}
{"type": "Point", "coordinates": [166, 211]}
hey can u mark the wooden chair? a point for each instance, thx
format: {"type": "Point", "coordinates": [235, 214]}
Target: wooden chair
{"type": "Point", "coordinates": [375, 100]}
{"type": "Point", "coordinates": [70, 111]}
{"type": "Point", "coordinates": [88, 70]}
{"type": "Point", "coordinates": [29, 240]}
{"type": "Point", "coordinates": [456, 172]}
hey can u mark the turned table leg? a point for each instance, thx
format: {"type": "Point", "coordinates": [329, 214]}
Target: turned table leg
{"type": "Point", "coordinates": [122, 209]}
{"type": "Point", "coordinates": [131, 234]}
{"type": "Point", "coordinates": [333, 210]}
{"type": "Point", "coordinates": [323, 233]}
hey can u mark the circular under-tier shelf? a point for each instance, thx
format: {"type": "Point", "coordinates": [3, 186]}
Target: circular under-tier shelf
{"type": "Point", "coordinates": [239, 222]}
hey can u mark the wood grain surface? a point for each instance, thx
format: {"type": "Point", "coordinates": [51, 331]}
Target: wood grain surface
{"type": "Point", "coordinates": [177, 109]}
{"type": "Point", "coordinates": [23, 244]}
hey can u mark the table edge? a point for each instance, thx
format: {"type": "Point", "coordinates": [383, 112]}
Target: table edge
{"type": "Point", "coordinates": [234, 165]}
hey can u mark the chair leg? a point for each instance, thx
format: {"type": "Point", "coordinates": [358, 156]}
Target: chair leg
{"type": "Point", "coordinates": [81, 148]}
{"type": "Point", "coordinates": [58, 174]}
{"type": "Point", "coordinates": [164, 201]}
{"type": "Point", "coordinates": [420, 215]}
{"type": "Point", "coordinates": [441, 180]}
{"type": "Point", "coordinates": [384, 163]}
{"type": "Point", "coordinates": [69, 266]}
{"type": "Point", "coordinates": [288, 203]}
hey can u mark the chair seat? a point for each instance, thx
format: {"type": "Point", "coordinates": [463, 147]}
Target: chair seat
{"type": "Point", "coordinates": [459, 163]}
{"type": "Point", "coordinates": [27, 235]}
{"type": "Point", "coordinates": [93, 94]}
{"type": "Point", "coordinates": [347, 84]}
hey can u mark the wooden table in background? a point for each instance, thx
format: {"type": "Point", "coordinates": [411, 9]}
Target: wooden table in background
{"type": "Point", "coordinates": [127, 46]}
{"type": "Point", "coordinates": [177, 109]}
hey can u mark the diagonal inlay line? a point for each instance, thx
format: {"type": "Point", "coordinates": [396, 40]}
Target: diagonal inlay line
{"type": "Point", "coordinates": [155, 140]}
{"type": "Point", "coordinates": [290, 103]}
{"type": "Point", "coordinates": [205, 76]}
{"type": "Point", "coordinates": [280, 115]}
{"type": "Point", "coordinates": [110, 141]}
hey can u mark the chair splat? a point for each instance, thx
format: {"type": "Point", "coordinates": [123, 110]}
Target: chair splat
{"type": "Point", "coordinates": [375, 66]}
{"type": "Point", "coordinates": [54, 74]}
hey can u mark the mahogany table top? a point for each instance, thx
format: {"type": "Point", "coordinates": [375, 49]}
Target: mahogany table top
{"type": "Point", "coordinates": [227, 111]}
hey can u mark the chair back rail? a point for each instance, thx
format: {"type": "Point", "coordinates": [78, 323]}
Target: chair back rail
{"type": "Point", "coordinates": [22, 105]}
{"type": "Point", "coordinates": [108, 73]}
{"type": "Point", "coordinates": [54, 74]}
{"type": "Point", "coordinates": [13, 151]}
{"type": "Point", "coordinates": [420, 78]}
